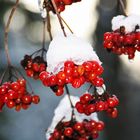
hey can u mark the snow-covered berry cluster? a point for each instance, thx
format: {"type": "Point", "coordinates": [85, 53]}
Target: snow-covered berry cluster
{"type": "Point", "coordinates": [125, 38]}
{"type": "Point", "coordinates": [73, 130]}
{"type": "Point", "coordinates": [96, 103]}
{"type": "Point", "coordinates": [15, 94]}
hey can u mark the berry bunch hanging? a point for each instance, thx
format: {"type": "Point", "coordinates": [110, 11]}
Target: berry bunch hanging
{"type": "Point", "coordinates": [34, 65]}
{"type": "Point", "coordinates": [14, 93]}
{"type": "Point", "coordinates": [125, 37]}
{"type": "Point", "coordinates": [90, 103]}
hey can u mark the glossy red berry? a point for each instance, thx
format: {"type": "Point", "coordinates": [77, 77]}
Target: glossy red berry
{"type": "Point", "coordinates": [68, 131]}
{"type": "Point", "coordinates": [35, 99]}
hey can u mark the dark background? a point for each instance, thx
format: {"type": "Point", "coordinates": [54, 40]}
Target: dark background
{"type": "Point", "coordinates": [31, 124]}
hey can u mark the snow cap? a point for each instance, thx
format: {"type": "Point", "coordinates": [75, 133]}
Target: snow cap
{"type": "Point", "coordinates": [72, 48]}
{"type": "Point", "coordinates": [129, 22]}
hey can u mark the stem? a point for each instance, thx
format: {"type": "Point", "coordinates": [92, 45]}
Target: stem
{"type": "Point", "coordinates": [121, 3]}
{"type": "Point", "coordinates": [72, 106]}
{"type": "Point", "coordinates": [89, 87]}
{"type": "Point", "coordinates": [59, 17]}
{"type": "Point", "coordinates": [66, 24]}
{"type": "Point", "coordinates": [7, 30]}
{"type": "Point", "coordinates": [49, 25]}
{"type": "Point", "coordinates": [44, 36]}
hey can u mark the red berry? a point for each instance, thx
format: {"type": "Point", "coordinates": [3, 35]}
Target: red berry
{"type": "Point", "coordinates": [69, 64]}
{"type": "Point", "coordinates": [30, 72]}
{"type": "Point", "coordinates": [98, 82]}
{"type": "Point", "coordinates": [67, 2]}
{"type": "Point", "coordinates": [26, 99]}
{"type": "Point", "coordinates": [15, 86]}
{"type": "Point", "coordinates": [3, 90]}
{"type": "Point", "coordinates": [53, 80]}
{"type": "Point", "coordinates": [43, 75]}
{"type": "Point", "coordinates": [60, 91]}
{"type": "Point", "coordinates": [87, 66]}
{"type": "Point", "coordinates": [111, 102]}
{"type": "Point", "coordinates": [35, 99]}
{"type": "Point", "coordinates": [61, 75]}
{"type": "Point", "coordinates": [85, 98]}
{"type": "Point", "coordinates": [108, 36]}
{"type": "Point", "coordinates": [91, 108]}
{"type": "Point", "coordinates": [80, 70]}
{"type": "Point", "coordinates": [76, 83]}
{"type": "Point", "coordinates": [100, 106]}
{"type": "Point", "coordinates": [100, 126]}
{"type": "Point", "coordinates": [68, 131]}
{"type": "Point", "coordinates": [10, 104]}
{"type": "Point", "coordinates": [35, 67]}
{"type": "Point", "coordinates": [22, 82]}
{"type": "Point", "coordinates": [78, 126]}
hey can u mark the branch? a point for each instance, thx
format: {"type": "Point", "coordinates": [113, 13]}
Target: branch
{"type": "Point", "coordinates": [7, 30]}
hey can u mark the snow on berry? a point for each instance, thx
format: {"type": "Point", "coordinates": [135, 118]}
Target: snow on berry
{"type": "Point", "coordinates": [129, 22]}
{"type": "Point", "coordinates": [64, 112]}
{"type": "Point", "coordinates": [71, 48]}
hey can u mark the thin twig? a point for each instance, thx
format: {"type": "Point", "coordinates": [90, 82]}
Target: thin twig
{"type": "Point", "coordinates": [49, 25]}
{"type": "Point", "coordinates": [7, 30]}
{"type": "Point", "coordinates": [66, 24]}
{"type": "Point", "coordinates": [121, 3]}
{"type": "Point", "coordinates": [59, 17]}
{"type": "Point", "coordinates": [72, 106]}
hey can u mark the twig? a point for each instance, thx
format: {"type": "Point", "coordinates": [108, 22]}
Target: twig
{"type": "Point", "coordinates": [59, 17]}
{"type": "Point", "coordinates": [66, 24]}
{"type": "Point", "coordinates": [121, 3]}
{"type": "Point", "coordinates": [49, 25]}
{"type": "Point", "coordinates": [7, 30]}
{"type": "Point", "coordinates": [72, 106]}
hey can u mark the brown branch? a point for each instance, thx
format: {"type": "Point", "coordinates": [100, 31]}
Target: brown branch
{"type": "Point", "coordinates": [59, 17]}
{"type": "Point", "coordinates": [49, 25]}
{"type": "Point", "coordinates": [66, 24]}
{"type": "Point", "coordinates": [7, 30]}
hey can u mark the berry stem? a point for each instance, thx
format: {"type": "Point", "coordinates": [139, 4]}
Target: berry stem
{"type": "Point", "coordinates": [7, 30]}
{"type": "Point", "coordinates": [49, 25]}
{"type": "Point", "coordinates": [66, 24]}
{"type": "Point", "coordinates": [121, 3]}
{"type": "Point", "coordinates": [59, 17]}
{"type": "Point", "coordinates": [3, 75]}
{"type": "Point", "coordinates": [72, 106]}
{"type": "Point", "coordinates": [89, 88]}
{"type": "Point", "coordinates": [44, 36]}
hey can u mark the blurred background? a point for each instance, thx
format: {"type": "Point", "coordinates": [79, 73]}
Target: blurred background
{"type": "Point", "coordinates": [89, 19]}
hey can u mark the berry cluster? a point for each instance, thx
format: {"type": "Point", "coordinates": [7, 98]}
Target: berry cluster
{"type": "Point", "coordinates": [120, 42]}
{"type": "Point", "coordinates": [73, 130]}
{"type": "Point", "coordinates": [96, 103]}
{"type": "Point", "coordinates": [15, 94]}
{"type": "Point", "coordinates": [33, 66]}
{"type": "Point", "coordinates": [73, 74]}
{"type": "Point", "coordinates": [60, 4]}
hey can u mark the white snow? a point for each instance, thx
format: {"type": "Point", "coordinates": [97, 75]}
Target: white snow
{"type": "Point", "coordinates": [101, 90]}
{"type": "Point", "coordinates": [129, 22]}
{"type": "Point", "coordinates": [42, 10]}
{"type": "Point", "coordinates": [72, 48]}
{"type": "Point", "coordinates": [64, 110]}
